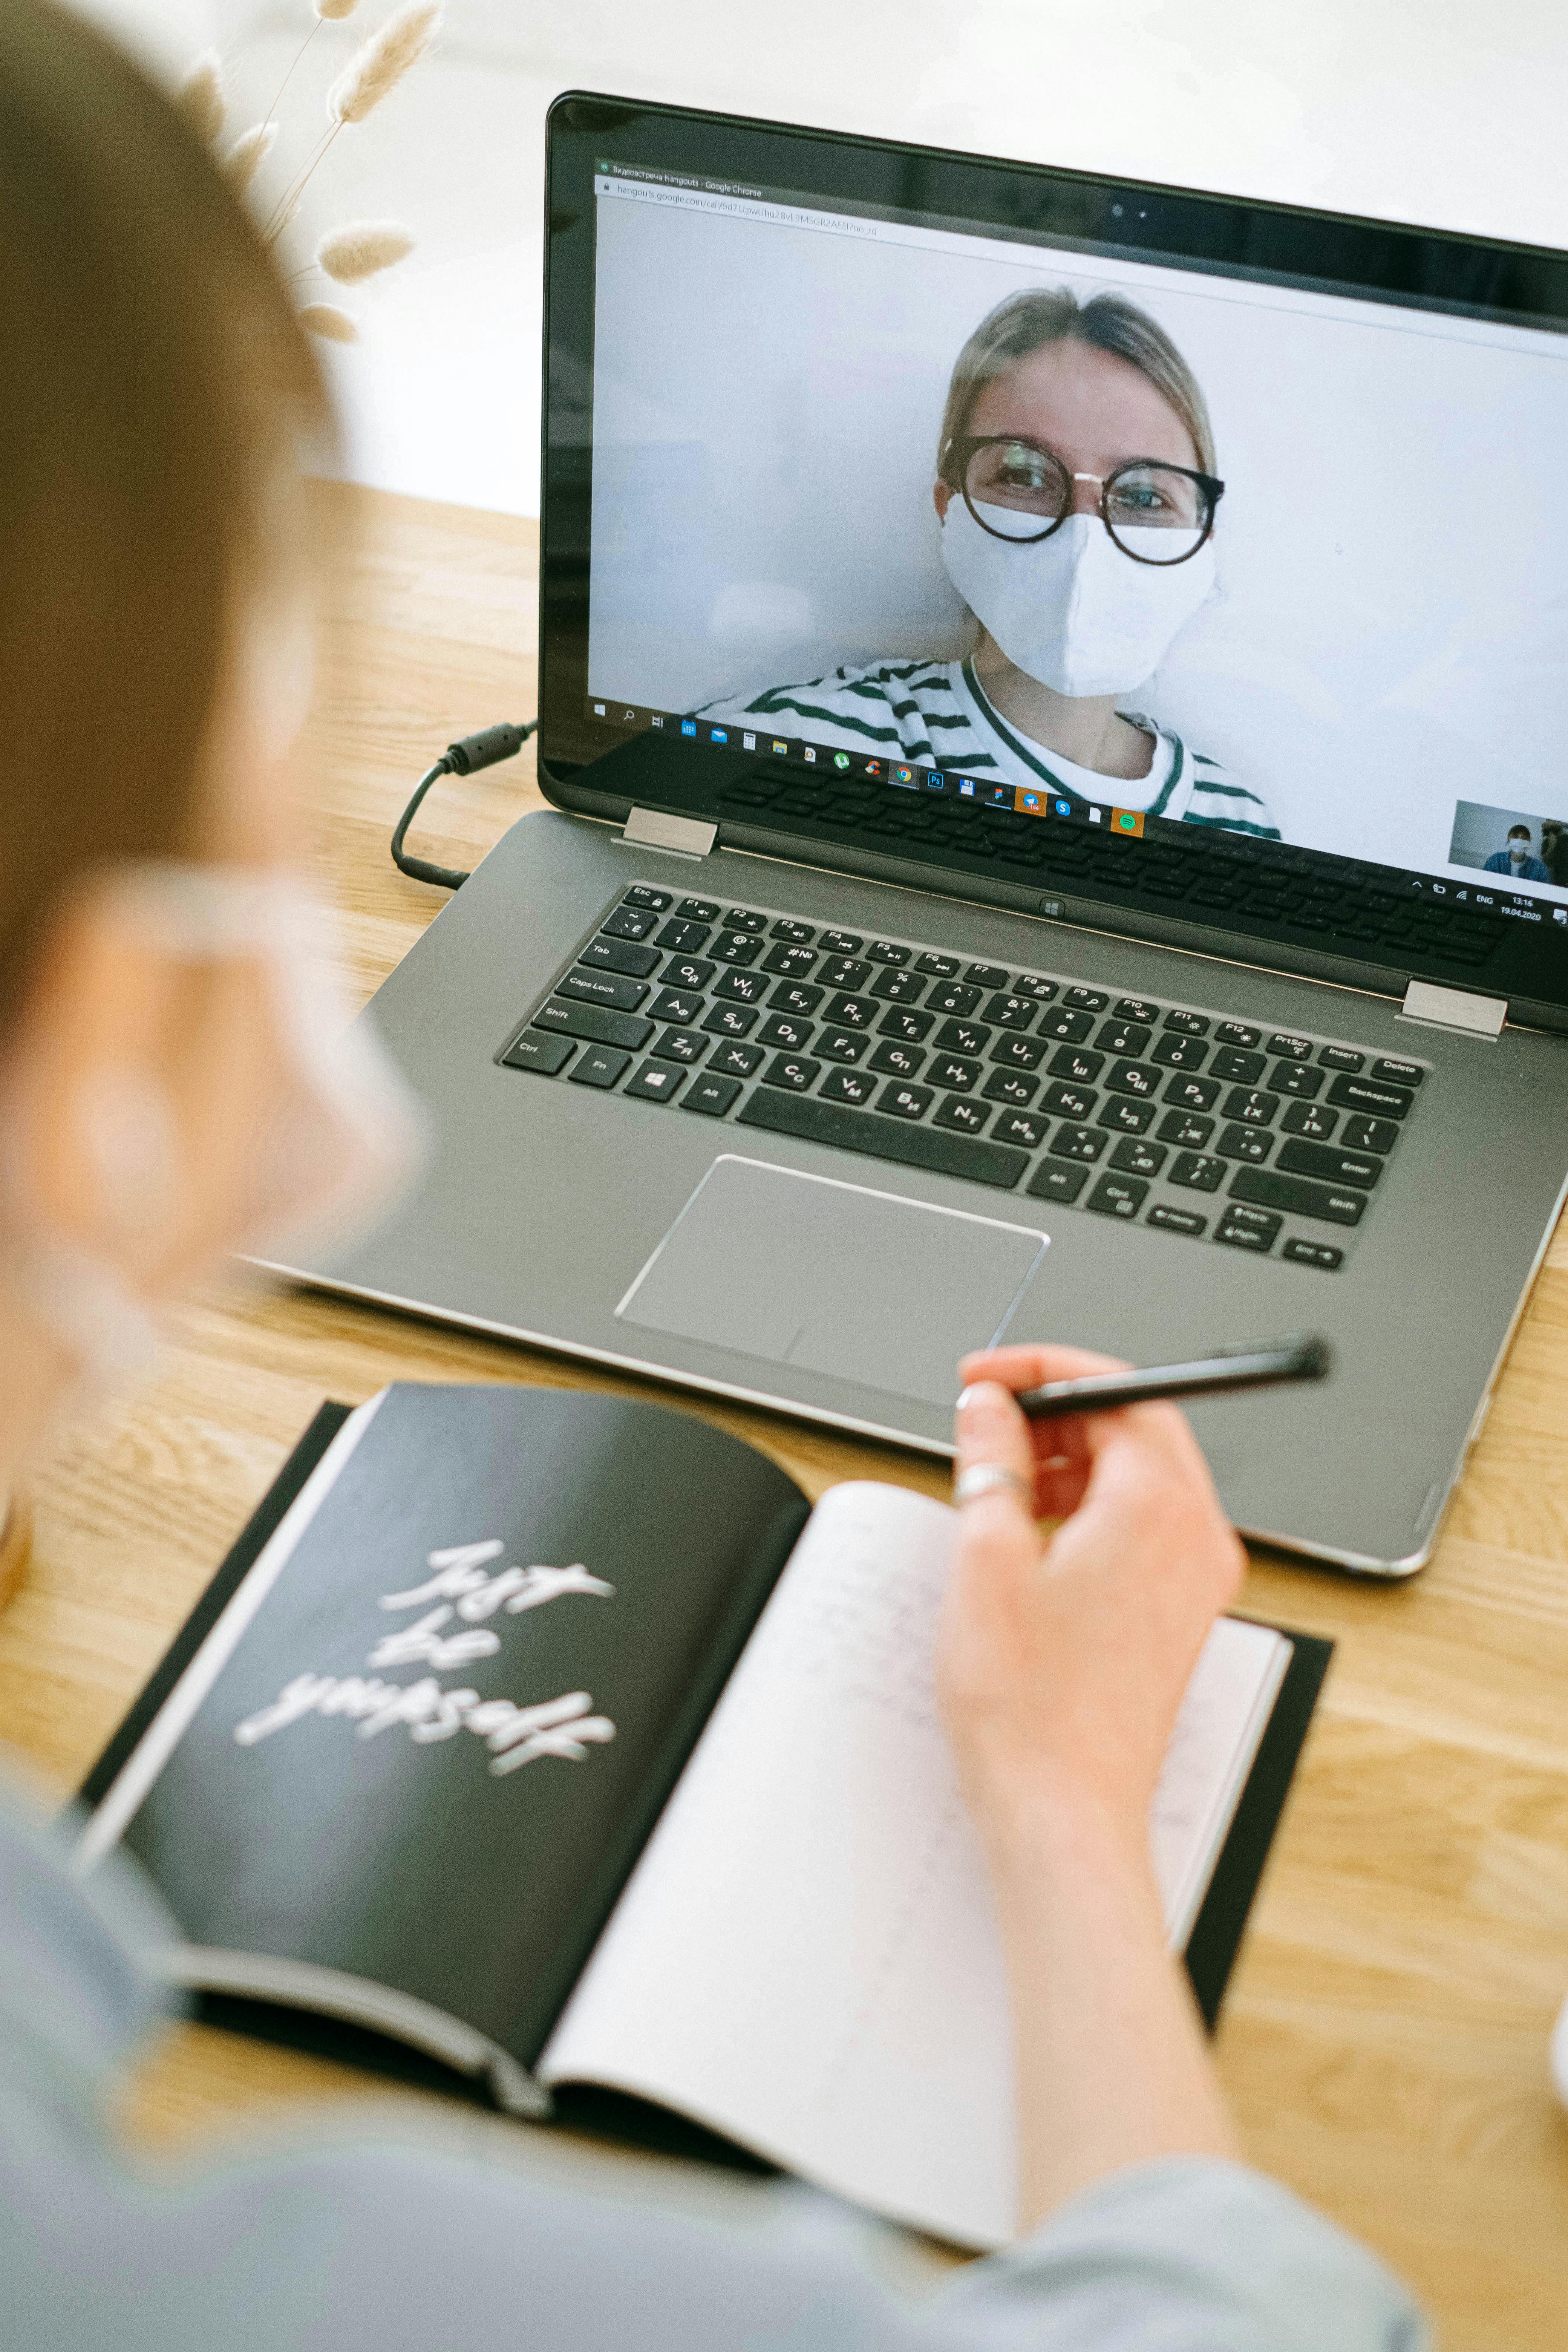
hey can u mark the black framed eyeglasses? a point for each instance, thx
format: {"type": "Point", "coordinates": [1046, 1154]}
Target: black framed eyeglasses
{"type": "Point", "coordinates": [1019, 490]}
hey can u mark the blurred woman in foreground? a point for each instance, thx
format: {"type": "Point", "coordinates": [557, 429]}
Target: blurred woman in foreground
{"type": "Point", "coordinates": [170, 1089]}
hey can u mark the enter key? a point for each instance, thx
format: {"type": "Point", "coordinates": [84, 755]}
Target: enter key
{"type": "Point", "coordinates": [1361, 1168]}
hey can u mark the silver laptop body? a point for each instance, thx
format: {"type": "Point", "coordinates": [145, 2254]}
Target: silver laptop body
{"type": "Point", "coordinates": [801, 1047]}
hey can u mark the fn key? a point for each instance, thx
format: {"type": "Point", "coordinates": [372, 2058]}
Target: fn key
{"type": "Point", "coordinates": [601, 1066]}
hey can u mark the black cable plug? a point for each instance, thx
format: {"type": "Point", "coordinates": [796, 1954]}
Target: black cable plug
{"type": "Point", "coordinates": [493, 743]}
{"type": "Point", "coordinates": [503, 742]}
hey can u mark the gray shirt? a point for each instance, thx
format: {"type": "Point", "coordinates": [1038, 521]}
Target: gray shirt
{"type": "Point", "coordinates": [388, 2243]}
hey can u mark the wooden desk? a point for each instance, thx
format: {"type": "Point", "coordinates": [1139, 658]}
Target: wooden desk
{"type": "Point", "coordinates": [1385, 2041]}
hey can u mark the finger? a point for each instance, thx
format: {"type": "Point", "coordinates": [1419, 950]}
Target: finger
{"type": "Point", "coordinates": [1071, 1442]}
{"type": "Point", "coordinates": [991, 1432]}
{"type": "Point", "coordinates": [1146, 1473]}
{"type": "Point", "coordinates": [1059, 1445]}
{"type": "Point", "coordinates": [1063, 1463]}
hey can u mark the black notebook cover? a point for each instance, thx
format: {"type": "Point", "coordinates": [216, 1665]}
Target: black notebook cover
{"type": "Point", "coordinates": [399, 1657]}
{"type": "Point", "coordinates": [1211, 1950]}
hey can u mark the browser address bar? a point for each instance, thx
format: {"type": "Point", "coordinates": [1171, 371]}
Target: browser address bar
{"type": "Point", "coordinates": [698, 200]}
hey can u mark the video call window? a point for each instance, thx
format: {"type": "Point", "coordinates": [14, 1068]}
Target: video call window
{"type": "Point", "coordinates": [1072, 524]}
{"type": "Point", "coordinates": [1519, 846]}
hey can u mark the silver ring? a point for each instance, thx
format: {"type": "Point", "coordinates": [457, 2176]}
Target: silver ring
{"type": "Point", "coordinates": [989, 1478]}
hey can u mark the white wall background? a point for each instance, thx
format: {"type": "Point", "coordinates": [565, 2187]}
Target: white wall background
{"type": "Point", "coordinates": [1426, 110]}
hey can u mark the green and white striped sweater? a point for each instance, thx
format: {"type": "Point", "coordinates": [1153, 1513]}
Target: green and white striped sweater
{"type": "Point", "coordinates": [938, 714]}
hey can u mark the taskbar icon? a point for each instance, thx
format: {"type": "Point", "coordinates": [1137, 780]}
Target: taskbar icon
{"type": "Point", "coordinates": [609, 711]}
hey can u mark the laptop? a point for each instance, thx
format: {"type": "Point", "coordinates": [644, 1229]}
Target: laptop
{"type": "Point", "coordinates": [1056, 831]}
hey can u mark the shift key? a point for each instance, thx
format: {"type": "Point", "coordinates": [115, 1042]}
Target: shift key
{"type": "Point", "coordinates": [1268, 1189]}
{"type": "Point", "coordinates": [593, 1021]}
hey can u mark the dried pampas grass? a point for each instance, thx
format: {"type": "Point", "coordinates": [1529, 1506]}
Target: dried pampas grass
{"type": "Point", "coordinates": [333, 326]}
{"type": "Point", "coordinates": [380, 65]}
{"type": "Point", "coordinates": [200, 97]}
{"type": "Point", "coordinates": [248, 153]}
{"type": "Point", "coordinates": [362, 248]}
{"type": "Point", "coordinates": [323, 12]}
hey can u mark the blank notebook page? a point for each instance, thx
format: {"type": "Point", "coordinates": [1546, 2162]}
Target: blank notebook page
{"type": "Point", "coordinates": [806, 1957]}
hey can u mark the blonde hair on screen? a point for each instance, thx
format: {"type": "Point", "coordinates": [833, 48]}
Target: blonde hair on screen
{"type": "Point", "coordinates": [1027, 322]}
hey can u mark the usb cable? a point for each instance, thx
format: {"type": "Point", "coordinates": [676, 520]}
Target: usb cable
{"type": "Point", "coordinates": [475, 751]}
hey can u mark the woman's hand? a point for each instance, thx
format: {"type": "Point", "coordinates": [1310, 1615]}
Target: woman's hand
{"type": "Point", "coordinates": [1061, 1664]}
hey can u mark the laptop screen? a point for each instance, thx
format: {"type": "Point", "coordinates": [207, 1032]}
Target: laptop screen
{"type": "Point", "coordinates": [1206, 554]}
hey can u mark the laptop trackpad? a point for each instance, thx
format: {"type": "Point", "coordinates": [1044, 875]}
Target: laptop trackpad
{"type": "Point", "coordinates": [833, 1279]}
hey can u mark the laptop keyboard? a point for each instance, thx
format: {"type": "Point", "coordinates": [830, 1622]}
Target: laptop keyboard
{"type": "Point", "coordinates": [1124, 1107]}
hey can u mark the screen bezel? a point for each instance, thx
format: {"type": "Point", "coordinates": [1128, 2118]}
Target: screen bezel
{"type": "Point", "coordinates": [588, 768]}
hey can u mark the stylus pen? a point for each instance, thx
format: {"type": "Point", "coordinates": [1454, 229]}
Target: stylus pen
{"type": "Point", "coordinates": [1254, 1364]}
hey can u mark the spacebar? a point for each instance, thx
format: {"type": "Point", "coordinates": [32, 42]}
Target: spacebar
{"type": "Point", "coordinates": [884, 1138]}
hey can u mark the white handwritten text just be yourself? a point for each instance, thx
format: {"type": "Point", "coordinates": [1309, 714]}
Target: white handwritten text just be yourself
{"type": "Point", "coordinates": [564, 1727]}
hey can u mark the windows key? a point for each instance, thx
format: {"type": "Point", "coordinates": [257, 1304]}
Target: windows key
{"type": "Point", "coordinates": [655, 1082]}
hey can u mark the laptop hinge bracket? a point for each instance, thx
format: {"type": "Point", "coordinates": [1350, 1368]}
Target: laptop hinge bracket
{"type": "Point", "coordinates": [680, 836]}
{"type": "Point", "coordinates": [1454, 1008]}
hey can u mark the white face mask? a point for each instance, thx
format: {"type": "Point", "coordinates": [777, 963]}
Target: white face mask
{"type": "Point", "coordinates": [1519, 850]}
{"type": "Point", "coordinates": [1072, 611]}
{"type": "Point", "coordinates": [333, 1139]}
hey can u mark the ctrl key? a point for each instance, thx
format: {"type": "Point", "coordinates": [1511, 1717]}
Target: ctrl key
{"type": "Point", "coordinates": [1116, 1196]}
{"type": "Point", "coordinates": [547, 1055]}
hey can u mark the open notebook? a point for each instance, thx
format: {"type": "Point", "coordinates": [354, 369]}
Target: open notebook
{"type": "Point", "coordinates": [560, 1738]}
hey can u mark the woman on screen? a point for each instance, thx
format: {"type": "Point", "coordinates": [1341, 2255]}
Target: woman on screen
{"type": "Point", "coordinates": [1077, 493]}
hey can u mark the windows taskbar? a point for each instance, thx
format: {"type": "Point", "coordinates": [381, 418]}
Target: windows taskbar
{"type": "Point", "coordinates": [1273, 862]}
{"type": "Point", "coordinates": [831, 760]}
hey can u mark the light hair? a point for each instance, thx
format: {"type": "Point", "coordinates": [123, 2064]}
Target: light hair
{"type": "Point", "coordinates": [167, 387]}
{"type": "Point", "coordinates": [1027, 322]}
